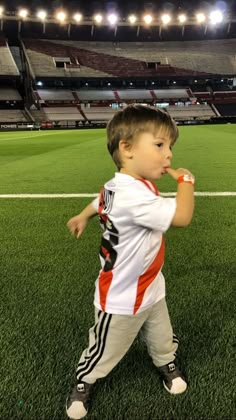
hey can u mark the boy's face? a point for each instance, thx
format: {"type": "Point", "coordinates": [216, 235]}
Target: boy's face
{"type": "Point", "coordinates": [150, 155]}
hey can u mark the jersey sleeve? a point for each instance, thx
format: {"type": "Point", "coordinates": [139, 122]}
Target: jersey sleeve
{"type": "Point", "coordinates": [95, 203]}
{"type": "Point", "coordinates": [153, 211]}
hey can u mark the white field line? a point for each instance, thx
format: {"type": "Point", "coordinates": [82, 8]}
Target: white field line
{"type": "Point", "coordinates": [87, 195]}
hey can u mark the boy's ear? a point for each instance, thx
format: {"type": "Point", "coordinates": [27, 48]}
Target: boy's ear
{"type": "Point", "coordinates": [125, 149]}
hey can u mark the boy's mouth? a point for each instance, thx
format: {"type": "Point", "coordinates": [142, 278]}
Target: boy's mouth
{"type": "Point", "coordinates": [163, 172]}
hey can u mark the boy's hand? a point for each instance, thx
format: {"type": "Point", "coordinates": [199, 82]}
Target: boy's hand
{"type": "Point", "coordinates": [184, 197]}
{"type": "Point", "coordinates": [176, 173]}
{"type": "Point", "coordinates": [77, 225]}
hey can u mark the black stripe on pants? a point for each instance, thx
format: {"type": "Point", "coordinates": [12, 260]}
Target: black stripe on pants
{"type": "Point", "coordinates": [86, 367]}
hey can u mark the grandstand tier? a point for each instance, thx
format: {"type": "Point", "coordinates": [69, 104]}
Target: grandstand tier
{"type": "Point", "coordinates": [120, 95]}
{"type": "Point", "coordinates": [104, 114]}
{"type": "Point", "coordinates": [8, 66]}
{"type": "Point", "coordinates": [12, 115]}
{"type": "Point", "coordinates": [9, 94]}
{"type": "Point", "coordinates": [63, 113]}
{"type": "Point", "coordinates": [97, 59]}
{"type": "Point", "coordinates": [196, 58]}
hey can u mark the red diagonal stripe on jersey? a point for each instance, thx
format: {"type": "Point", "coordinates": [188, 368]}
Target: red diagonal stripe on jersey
{"type": "Point", "coordinates": [104, 282]}
{"type": "Point", "coordinates": [147, 183]}
{"type": "Point", "coordinates": [150, 274]}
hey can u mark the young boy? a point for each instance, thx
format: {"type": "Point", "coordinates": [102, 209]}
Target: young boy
{"type": "Point", "coordinates": [130, 289]}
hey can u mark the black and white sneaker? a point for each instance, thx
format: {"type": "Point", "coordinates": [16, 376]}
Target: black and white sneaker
{"type": "Point", "coordinates": [173, 380]}
{"type": "Point", "coordinates": [77, 402]}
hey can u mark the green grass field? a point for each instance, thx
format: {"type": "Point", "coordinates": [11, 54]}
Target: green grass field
{"type": "Point", "coordinates": [47, 281]}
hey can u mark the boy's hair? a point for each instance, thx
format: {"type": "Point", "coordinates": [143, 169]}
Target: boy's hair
{"type": "Point", "coordinates": [134, 119]}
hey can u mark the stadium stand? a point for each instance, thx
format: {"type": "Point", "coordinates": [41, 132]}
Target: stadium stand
{"type": "Point", "coordinates": [15, 115]}
{"type": "Point", "coordinates": [51, 60]}
{"type": "Point", "coordinates": [55, 95]}
{"type": "Point", "coordinates": [178, 94]}
{"type": "Point", "coordinates": [62, 95]}
{"type": "Point", "coordinates": [189, 112]}
{"type": "Point", "coordinates": [38, 115]}
{"type": "Point", "coordinates": [45, 56]}
{"type": "Point", "coordinates": [74, 83]}
{"type": "Point", "coordinates": [204, 96]}
{"type": "Point", "coordinates": [133, 95]}
{"type": "Point", "coordinates": [98, 113]}
{"type": "Point", "coordinates": [63, 114]}
{"type": "Point", "coordinates": [9, 94]}
{"type": "Point", "coordinates": [119, 95]}
{"type": "Point", "coordinates": [96, 95]}
{"type": "Point", "coordinates": [7, 64]}
{"type": "Point", "coordinates": [212, 56]}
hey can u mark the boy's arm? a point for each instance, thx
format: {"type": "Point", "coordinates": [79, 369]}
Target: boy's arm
{"type": "Point", "coordinates": [78, 223]}
{"type": "Point", "coordinates": [184, 198]}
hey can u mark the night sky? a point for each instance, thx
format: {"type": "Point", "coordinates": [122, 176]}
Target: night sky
{"type": "Point", "coordinates": [124, 7]}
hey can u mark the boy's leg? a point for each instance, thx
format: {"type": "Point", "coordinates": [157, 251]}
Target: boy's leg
{"type": "Point", "coordinates": [109, 340]}
{"type": "Point", "coordinates": [158, 334]}
{"type": "Point", "coordinates": [162, 346]}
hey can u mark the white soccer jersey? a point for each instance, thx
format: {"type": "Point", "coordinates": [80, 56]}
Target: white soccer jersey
{"type": "Point", "coordinates": [134, 217]}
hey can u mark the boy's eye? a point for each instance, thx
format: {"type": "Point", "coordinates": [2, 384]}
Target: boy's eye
{"type": "Point", "coordinates": [159, 144]}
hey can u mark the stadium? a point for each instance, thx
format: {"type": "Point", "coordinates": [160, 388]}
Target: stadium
{"type": "Point", "coordinates": [64, 72]}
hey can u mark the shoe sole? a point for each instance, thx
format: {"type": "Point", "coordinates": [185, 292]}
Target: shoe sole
{"type": "Point", "coordinates": [173, 393]}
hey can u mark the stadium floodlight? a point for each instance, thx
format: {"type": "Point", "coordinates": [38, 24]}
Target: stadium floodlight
{"type": "Point", "coordinates": [1, 10]}
{"type": "Point", "coordinates": [148, 19]}
{"type": "Point", "coordinates": [23, 13]}
{"type": "Point", "coordinates": [98, 18]}
{"type": "Point", "coordinates": [216, 16]}
{"type": "Point", "coordinates": [182, 18]}
{"type": "Point", "coordinates": [77, 17]}
{"type": "Point", "coordinates": [42, 14]}
{"type": "Point", "coordinates": [112, 18]}
{"type": "Point", "coordinates": [165, 19]}
{"type": "Point", "coordinates": [132, 19]}
{"type": "Point", "coordinates": [61, 16]}
{"type": "Point", "coordinates": [200, 17]}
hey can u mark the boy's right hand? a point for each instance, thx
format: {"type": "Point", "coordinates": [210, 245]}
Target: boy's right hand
{"type": "Point", "coordinates": [77, 225]}
{"type": "Point", "coordinates": [176, 173]}
{"type": "Point", "coordinates": [184, 197]}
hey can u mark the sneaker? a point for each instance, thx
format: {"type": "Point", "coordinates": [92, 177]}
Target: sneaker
{"type": "Point", "coordinates": [77, 402]}
{"type": "Point", "coordinates": [173, 380]}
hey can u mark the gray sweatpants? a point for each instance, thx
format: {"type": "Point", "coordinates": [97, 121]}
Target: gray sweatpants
{"type": "Point", "coordinates": [112, 335]}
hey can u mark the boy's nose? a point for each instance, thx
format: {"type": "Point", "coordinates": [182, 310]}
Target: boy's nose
{"type": "Point", "coordinates": [169, 154]}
